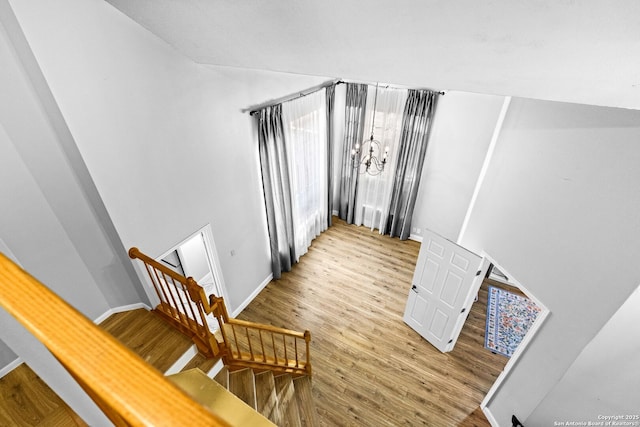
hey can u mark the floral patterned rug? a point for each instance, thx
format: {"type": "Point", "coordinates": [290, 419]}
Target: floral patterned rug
{"type": "Point", "coordinates": [509, 317]}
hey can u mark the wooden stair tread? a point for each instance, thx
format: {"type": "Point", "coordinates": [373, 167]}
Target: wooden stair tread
{"type": "Point", "coordinates": [267, 398]}
{"type": "Point", "coordinates": [304, 396]}
{"type": "Point", "coordinates": [283, 399]}
{"type": "Point", "coordinates": [287, 400]}
{"type": "Point", "coordinates": [149, 336]}
{"type": "Point", "coordinates": [241, 383]}
{"type": "Point", "coordinates": [218, 399]}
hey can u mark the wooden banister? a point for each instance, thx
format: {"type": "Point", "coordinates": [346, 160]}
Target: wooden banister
{"type": "Point", "coordinates": [196, 293]}
{"type": "Point", "coordinates": [241, 340]}
{"type": "Point", "coordinates": [267, 328]}
{"type": "Point", "coordinates": [135, 253]}
{"type": "Point", "coordinates": [128, 390]}
{"type": "Point", "coordinates": [280, 353]}
{"type": "Point", "coordinates": [180, 297]}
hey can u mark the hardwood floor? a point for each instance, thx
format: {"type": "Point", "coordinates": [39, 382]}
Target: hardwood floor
{"type": "Point", "coordinates": [25, 400]}
{"type": "Point", "coordinates": [370, 368]}
{"type": "Point", "coordinates": [148, 336]}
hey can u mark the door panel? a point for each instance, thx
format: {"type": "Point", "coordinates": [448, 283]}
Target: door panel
{"type": "Point", "coordinates": [451, 289]}
{"type": "Point", "coordinates": [439, 323]}
{"type": "Point", "coordinates": [418, 310]}
{"type": "Point", "coordinates": [430, 273]}
{"type": "Point", "coordinates": [444, 283]}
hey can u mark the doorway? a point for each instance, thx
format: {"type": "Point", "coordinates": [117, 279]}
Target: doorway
{"type": "Point", "coordinates": [499, 275]}
{"type": "Point", "coordinates": [196, 257]}
{"type": "Point", "coordinates": [441, 308]}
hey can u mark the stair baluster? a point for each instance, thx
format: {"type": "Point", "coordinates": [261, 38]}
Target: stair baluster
{"type": "Point", "coordinates": [237, 350]}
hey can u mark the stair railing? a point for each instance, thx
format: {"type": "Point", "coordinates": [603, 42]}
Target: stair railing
{"type": "Point", "coordinates": [244, 344]}
{"type": "Point", "coordinates": [262, 347]}
{"type": "Point", "coordinates": [183, 303]}
{"type": "Point", "coordinates": [126, 388]}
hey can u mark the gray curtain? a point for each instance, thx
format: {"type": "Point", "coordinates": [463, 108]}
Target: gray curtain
{"type": "Point", "coordinates": [356, 102]}
{"type": "Point", "coordinates": [277, 190]}
{"type": "Point", "coordinates": [416, 125]}
{"type": "Point", "coordinates": [330, 94]}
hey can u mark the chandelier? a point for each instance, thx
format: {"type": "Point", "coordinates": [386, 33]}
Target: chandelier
{"type": "Point", "coordinates": [370, 161]}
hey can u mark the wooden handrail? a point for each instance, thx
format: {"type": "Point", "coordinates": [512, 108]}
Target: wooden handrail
{"type": "Point", "coordinates": [268, 328]}
{"type": "Point", "coordinates": [230, 348]}
{"type": "Point", "coordinates": [135, 253]}
{"type": "Point", "coordinates": [180, 312]}
{"type": "Point", "coordinates": [195, 291]}
{"type": "Point", "coordinates": [279, 353]}
{"type": "Point", "coordinates": [128, 390]}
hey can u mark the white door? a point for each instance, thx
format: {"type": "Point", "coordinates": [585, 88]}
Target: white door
{"type": "Point", "coordinates": [197, 263]}
{"type": "Point", "coordinates": [198, 259]}
{"type": "Point", "coordinates": [445, 282]}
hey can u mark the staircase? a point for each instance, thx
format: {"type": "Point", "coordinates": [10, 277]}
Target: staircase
{"type": "Point", "coordinates": [265, 367]}
{"type": "Point", "coordinates": [280, 399]}
{"type": "Point", "coordinates": [284, 400]}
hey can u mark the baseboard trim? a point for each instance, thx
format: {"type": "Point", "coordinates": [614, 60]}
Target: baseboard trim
{"type": "Point", "coordinates": [215, 369]}
{"type": "Point", "coordinates": [487, 413]}
{"type": "Point", "coordinates": [120, 309]}
{"type": "Point", "coordinates": [10, 367]}
{"type": "Point", "coordinates": [415, 237]}
{"type": "Point", "coordinates": [251, 297]}
{"type": "Point", "coordinates": [182, 361]}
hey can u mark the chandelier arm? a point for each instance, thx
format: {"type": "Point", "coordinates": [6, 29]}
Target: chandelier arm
{"type": "Point", "coordinates": [366, 158]}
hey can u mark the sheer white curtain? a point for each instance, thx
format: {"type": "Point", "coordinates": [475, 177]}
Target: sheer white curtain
{"type": "Point", "coordinates": [374, 192]}
{"type": "Point", "coordinates": [305, 137]}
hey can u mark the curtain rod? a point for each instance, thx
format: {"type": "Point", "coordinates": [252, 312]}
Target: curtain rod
{"type": "Point", "coordinates": [254, 108]}
{"type": "Point", "coordinates": [391, 86]}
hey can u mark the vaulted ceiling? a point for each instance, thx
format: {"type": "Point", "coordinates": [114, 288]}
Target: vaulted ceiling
{"type": "Point", "coordinates": [565, 50]}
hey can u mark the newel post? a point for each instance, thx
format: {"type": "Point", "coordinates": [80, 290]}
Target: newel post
{"type": "Point", "coordinates": [133, 252]}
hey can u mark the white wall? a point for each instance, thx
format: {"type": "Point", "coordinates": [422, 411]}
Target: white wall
{"type": "Point", "coordinates": [48, 220]}
{"type": "Point", "coordinates": [605, 375]}
{"type": "Point", "coordinates": [558, 209]}
{"type": "Point", "coordinates": [28, 224]}
{"type": "Point", "coordinates": [150, 124]}
{"type": "Point", "coordinates": [40, 135]}
{"type": "Point", "coordinates": [459, 140]}
{"type": "Point", "coordinates": [7, 356]}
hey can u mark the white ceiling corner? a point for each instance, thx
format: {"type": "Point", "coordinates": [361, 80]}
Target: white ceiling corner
{"type": "Point", "coordinates": [563, 50]}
